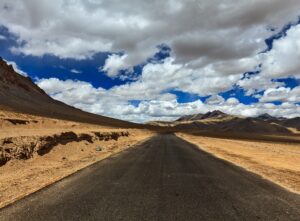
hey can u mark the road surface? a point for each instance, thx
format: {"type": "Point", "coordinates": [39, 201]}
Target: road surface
{"type": "Point", "coordinates": [165, 178]}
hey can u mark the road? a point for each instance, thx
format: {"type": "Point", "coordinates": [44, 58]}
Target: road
{"type": "Point", "coordinates": [165, 178]}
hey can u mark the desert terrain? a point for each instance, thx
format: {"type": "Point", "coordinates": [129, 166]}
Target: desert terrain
{"type": "Point", "coordinates": [273, 160]}
{"type": "Point", "coordinates": [44, 141]}
{"type": "Point", "coordinates": [38, 151]}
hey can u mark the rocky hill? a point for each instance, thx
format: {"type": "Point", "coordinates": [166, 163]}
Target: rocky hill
{"type": "Point", "coordinates": [218, 122]}
{"type": "Point", "coordinates": [20, 94]}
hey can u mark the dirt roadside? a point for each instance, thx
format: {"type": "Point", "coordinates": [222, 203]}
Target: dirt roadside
{"type": "Point", "coordinates": [21, 177]}
{"type": "Point", "coordinates": [278, 162]}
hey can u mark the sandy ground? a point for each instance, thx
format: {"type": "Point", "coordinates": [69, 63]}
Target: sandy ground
{"type": "Point", "coordinates": [19, 178]}
{"type": "Point", "coordinates": [166, 178]}
{"type": "Point", "coordinates": [278, 162]}
{"type": "Point", "coordinates": [30, 125]}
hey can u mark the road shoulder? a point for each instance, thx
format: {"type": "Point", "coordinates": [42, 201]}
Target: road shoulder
{"type": "Point", "coordinates": [277, 162]}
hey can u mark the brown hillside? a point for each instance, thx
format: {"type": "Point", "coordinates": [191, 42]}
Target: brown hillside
{"type": "Point", "coordinates": [20, 94]}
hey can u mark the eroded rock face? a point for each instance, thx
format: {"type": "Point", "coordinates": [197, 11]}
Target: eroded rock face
{"type": "Point", "coordinates": [110, 136]}
{"type": "Point", "coordinates": [23, 148]}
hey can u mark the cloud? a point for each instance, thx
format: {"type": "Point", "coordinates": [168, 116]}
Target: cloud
{"type": "Point", "coordinates": [2, 37]}
{"type": "Point", "coordinates": [113, 64]}
{"type": "Point", "coordinates": [154, 80]}
{"type": "Point", "coordinates": [98, 100]}
{"type": "Point", "coordinates": [16, 68]}
{"type": "Point", "coordinates": [258, 83]}
{"type": "Point", "coordinates": [223, 30]}
{"type": "Point", "coordinates": [280, 62]}
{"type": "Point", "coordinates": [232, 101]}
{"type": "Point", "coordinates": [283, 94]}
{"type": "Point", "coordinates": [167, 75]}
{"type": "Point", "coordinates": [75, 71]}
{"type": "Point", "coordinates": [106, 102]}
{"type": "Point", "coordinates": [214, 100]}
{"type": "Point", "coordinates": [208, 55]}
{"type": "Point", "coordinates": [283, 60]}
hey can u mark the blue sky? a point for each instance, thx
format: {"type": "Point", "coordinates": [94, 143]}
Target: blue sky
{"type": "Point", "coordinates": [136, 66]}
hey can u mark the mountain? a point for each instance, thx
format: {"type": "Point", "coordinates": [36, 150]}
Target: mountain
{"type": "Point", "coordinates": [214, 114]}
{"type": "Point", "coordinates": [265, 117]}
{"type": "Point", "coordinates": [234, 125]}
{"type": "Point", "coordinates": [190, 117]}
{"type": "Point", "coordinates": [289, 123]}
{"type": "Point", "coordinates": [292, 123]}
{"type": "Point", "coordinates": [20, 94]}
{"type": "Point", "coordinates": [268, 117]}
{"type": "Point", "coordinates": [219, 122]}
{"type": "Point", "coordinates": [250, 125]}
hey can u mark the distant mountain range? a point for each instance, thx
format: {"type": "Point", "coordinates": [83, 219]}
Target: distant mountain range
{"type": "Point", "coordinates": [217, 121]}
{"type": "Point", "coordinates": [214, 114]}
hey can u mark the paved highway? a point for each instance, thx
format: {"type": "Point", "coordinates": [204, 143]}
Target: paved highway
{"type": "Point", "coordinates": [165, 178]}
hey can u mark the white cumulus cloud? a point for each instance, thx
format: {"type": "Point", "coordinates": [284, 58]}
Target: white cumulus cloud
{"type": "Point", "coordinates": [106, 102]}
{"type": "Point", "coordinates": [283, 94]}
{"type": "Point", "coordinates": [213, 43]}
{"type": "Point", "coordinates": [113, 64]}
{"type": "Point", "coordinates": [283, 60]}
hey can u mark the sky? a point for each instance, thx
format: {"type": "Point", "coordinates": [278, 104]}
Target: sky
{"type": "Point", "coordinates": [158, 60]}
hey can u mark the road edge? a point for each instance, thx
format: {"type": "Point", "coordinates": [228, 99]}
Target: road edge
{"type": "Point", "coordinates": [75, 172]}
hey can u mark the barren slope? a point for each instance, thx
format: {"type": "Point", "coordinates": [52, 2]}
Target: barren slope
{"type": "Point", "coordinates": [219, 122]}
{"type": "Point", "coordinates": [20, 94]}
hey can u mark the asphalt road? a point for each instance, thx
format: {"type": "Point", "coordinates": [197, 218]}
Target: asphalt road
{"type": "Point", "coordinates": [164, 178]}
